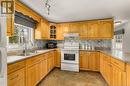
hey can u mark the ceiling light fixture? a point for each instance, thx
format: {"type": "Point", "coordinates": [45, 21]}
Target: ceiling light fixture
{"type": "Point", "coordinates": [47, 5]}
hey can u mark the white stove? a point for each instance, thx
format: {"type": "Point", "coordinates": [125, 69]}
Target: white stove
{"type": "Point", "coordinates": [70, 53]}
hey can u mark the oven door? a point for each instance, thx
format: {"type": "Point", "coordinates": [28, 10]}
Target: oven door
{"type": "Point", "coordinates": [70, 56]}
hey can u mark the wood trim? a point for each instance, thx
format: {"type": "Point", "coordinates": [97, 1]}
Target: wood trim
{"type": "Point", "coordinates": [20, 7]}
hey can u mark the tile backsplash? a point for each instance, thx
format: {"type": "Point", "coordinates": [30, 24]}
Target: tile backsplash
{"type": "Point", "coordinates": [84, 44]}
{"type": "Point", "coordinates": [96, 44]}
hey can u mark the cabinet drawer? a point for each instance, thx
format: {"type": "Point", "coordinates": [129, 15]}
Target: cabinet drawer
{"type": "Point", "coordinates": [118, 63]}
{"type": "Point", "coordinates": [15, 66]}
{"type": "Point", "coordinates": [17, 78]}
{"type": "Point", "coordinates": [33, 60]}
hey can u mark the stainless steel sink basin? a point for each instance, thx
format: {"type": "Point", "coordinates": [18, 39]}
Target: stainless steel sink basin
{"type": "Point", "coordinates": [28, 54]}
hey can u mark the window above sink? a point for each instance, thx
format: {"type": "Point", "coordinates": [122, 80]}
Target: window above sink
{"type": "Point", "coordinates": [22, 35]}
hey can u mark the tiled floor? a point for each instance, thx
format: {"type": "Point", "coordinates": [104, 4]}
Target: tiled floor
{"type": "Point", "coordinates": [65, 78]}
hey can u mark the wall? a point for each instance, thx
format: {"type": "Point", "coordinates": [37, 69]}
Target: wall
{"type": "Point", "coordinates": [126, 39]}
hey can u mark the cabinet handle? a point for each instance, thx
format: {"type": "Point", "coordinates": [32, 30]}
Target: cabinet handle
{"type": "Point", "coordinates": [14, 77]}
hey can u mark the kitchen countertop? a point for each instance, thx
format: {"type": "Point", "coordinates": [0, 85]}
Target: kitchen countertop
{"type": "Point", "coordinates": [120, 55]}
{"type": "Point", "coordinates": [12, 59]}
{"type": "Point", "coordinates": [125, 57]}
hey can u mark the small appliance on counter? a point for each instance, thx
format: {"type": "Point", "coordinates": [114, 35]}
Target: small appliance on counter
{"type": "Point", "coordinates": [51, 44]}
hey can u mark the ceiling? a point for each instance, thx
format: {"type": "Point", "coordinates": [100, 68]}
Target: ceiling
{"type": "Point", "coordinates": [79, 10]}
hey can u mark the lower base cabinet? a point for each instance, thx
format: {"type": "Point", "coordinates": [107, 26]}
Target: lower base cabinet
{"type": "Point", "coordinates": [38, 69]}
{"type": "Point", "coordinates": [31, 78]}
{"type": "Point", "coordinates": [118, 76]}
{"type": "Point", "coordinates": [128, 74]}
{"type": "Point", "coordinates": [89, 61]}
{"type": "Point", "coordinates": [17, 78]}
{"type": "Point", "coordinates": [114, 75]}
{"type": "Point", "coordinates": [105, 67]}
{"type": "Point", "coordinates": [31, 71]}
{"type": "Point", "coordinates": [57, 58]}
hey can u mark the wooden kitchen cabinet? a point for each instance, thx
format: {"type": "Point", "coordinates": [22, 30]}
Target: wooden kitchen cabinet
{"type": "Point", "coordinates": [118, 77]}
{"type": "Point", "coordinates": [105, 67]}
{"type": "Point", "coordinates": [128, 74]}
{"type": "Point", "coordinates": [111, 71]}
{"type": "Point", "coordinates": [83, 30]}
{"type": "Point", "coordinates": [58, 58]}
{"type": "Point", "coordinates": [17, 78]}
{"type": "Point", "coordinates": [42, 30]}
{"type": "Point", "coordinates": [45, 29]}
{"type": "Point", "coordinates": [44, 66]}
{"type": "Point", "coordinates": [89, 60]}
{"type": "Point", "coordinates": [106, 29]}
{"type": "Point", "coordinates": [93, 28]}
{"type": "Point", "coordinates": [50, 61]}
{"type": "Point", "coordinates": [16, 74]}
{"type": "Point", "coordinates": [107, 71]}
{"type": "Point", "coordinates": [94, 61]}
{"type": "Point", "coordinates": [10, 25]}
{"type": "Point", "coordinates": [74, 28]}
{"type": "Point", "coordinates": [59, 34]}
{"type": "Point", "coordinates": [101, 63]}
{"type": "Point", "coordinates": [84, 61]}
{"type": "Point", "coordinates": [31, 77]}
{"type": "Point", "coordinates": [34, 70]}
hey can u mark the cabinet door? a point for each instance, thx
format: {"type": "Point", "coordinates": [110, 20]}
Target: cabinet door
{"type": "Point", "coordinates": [93, 29]}
{"type": "Point", "coordinates": [59, 34]}
{"type": "Point", "coordinates": [57, 58]}
{"type": "Point", "coordinates": [66, 28]}
{"type": "Point", "coordinates": [94, 60]}
{"type": "Point", "coordinates": [17, 78]}
{"type": "Point", "coordinates": [83, 30]}
{"type": "Point", "coordinates": [74, 27]}
{"type": "Point", "coordinates": [128, 74]}
{"type": "Point", "coordinates": [84, 61]}
{"type": "Point", "coordinates": [102, 64]}
{"type": "Point", "coordinates": [39, 71]}
{"type": "Point", "coordinates": [107, 71]}
{"type": "Point", "coordinates": [49, 64]}
{"type": "Point", "coordinates": [44, 29]}
{"type": "Point", "coordinates": [118, 76]}
{"type": "Point", "coordinates": [10, 25]}
{"type": "Point", "coordinates": [106, 29]}
{"type": "Point", "coordinates": [31, 75]}
{"type": "Point", "coordinates": [44, 68]}
{"type": "Point", "coordinates": [38, 30]}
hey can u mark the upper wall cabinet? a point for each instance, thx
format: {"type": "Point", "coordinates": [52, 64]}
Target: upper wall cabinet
{"type": "Point", "coordinates": [42, 30]}
{"type": "Point", "coordinates": [74, 27]}
{"type": "Point", "coordinates": [106, 28]}
{"type": "Point", "coordinates": [60, 32]}
{"type": "Point", "coordinates": [83, 30]}
{"type": "Point", "coordinates": [94, 29]}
